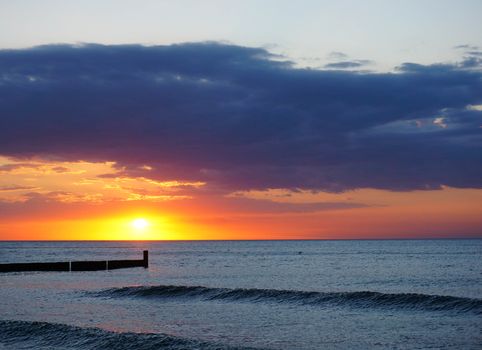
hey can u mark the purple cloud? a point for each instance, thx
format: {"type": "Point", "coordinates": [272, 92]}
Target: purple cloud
{"type": "Point", "coordinates": [238, 119]}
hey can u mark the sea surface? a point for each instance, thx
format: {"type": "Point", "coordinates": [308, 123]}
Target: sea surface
{"type": "Point", "coordinates": [406, 294]}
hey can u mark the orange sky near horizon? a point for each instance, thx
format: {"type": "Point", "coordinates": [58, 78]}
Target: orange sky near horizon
{"type": "Point", "coordinates": [52, 200]}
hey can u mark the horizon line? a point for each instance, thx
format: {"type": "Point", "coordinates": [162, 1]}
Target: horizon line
{"type": "Point", "coordinates": [249, 240]}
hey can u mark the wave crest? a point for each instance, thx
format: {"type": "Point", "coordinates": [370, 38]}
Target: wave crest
{"type": "Point", "coordinates": [363, 299]}
{"type": "Point", "coordinates": [26, 334]}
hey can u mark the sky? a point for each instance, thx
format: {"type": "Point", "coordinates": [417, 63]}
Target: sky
{"type": "Point", "coordinates": [240, 120]}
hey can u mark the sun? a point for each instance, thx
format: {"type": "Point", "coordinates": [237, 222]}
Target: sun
{"type": "Point", "coordinates": [140, 224]}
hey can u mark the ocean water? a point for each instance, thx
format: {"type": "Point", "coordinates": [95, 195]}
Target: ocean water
{"type": "Point", "coordinates": [407, 294]}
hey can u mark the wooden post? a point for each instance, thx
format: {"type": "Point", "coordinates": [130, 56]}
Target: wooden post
{"type": "Point", "coordinates": [146, 258]}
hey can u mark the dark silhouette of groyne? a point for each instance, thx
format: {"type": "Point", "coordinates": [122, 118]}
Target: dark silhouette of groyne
{"type": "Point", "coordinates": [77, 265]}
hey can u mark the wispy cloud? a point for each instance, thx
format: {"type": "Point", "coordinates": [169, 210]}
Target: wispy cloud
{"type": "Point", "coordinates": [13, 188]}
{"type": "Point", "coordinates": [348, 64]}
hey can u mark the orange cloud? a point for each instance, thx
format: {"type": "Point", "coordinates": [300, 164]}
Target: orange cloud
{"type": "Point", "coordinates": [82, 181]}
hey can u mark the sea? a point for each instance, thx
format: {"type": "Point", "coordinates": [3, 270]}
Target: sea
{"type": "Point", "coordinates": [354, 294]}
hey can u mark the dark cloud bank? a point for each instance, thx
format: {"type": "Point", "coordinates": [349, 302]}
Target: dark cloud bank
{"type": "Point", "coordinates": [239, 118]}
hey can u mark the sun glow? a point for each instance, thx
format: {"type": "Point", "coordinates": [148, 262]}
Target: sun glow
{"type": "Point", "coordinates": [140, 224]}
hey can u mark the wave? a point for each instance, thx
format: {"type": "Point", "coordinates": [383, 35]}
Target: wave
{"type": "Point", "coordinates": [364, 299]}
{"type": "Point", "coordinates": [33, 335]}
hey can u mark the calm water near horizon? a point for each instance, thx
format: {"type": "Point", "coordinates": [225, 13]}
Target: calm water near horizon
{"type": "Point", "coordinates": [402, 294]}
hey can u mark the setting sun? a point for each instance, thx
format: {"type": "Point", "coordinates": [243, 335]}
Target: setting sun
{"type": "Point", "coordinates": [140, 224]}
